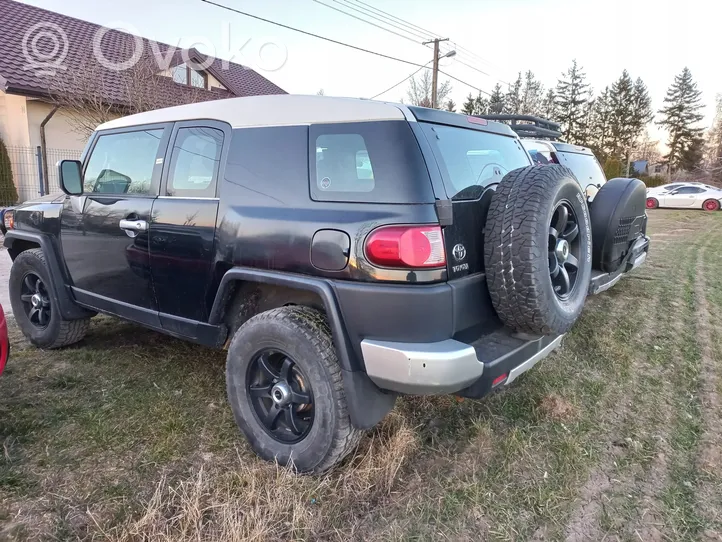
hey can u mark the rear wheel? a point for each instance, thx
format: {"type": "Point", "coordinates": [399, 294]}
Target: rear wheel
{"type": "Point", "coordinates": [538, 250]}
{"type": "Point", "coordinates": [40, 321]}
{"type": "Point", "coordinates": [285, 389]}
{"type": "Point", "coordinates": [711, 205]}
{"type": "Point", "coordinates": [652, 203]}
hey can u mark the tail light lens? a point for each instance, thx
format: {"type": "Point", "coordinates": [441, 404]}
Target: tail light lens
{"type": "Point", "coordinates": [406, 246]}
{"type": "Point", "coordinates": [8, 220]}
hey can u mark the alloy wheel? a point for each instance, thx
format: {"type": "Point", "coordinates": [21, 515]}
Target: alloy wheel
{"type": "Point", "coordinates": [281, 396]}
{"type": "Point", "coordinates": [36, 300]}
{"type": "Point", "coordinates": [564, 249]}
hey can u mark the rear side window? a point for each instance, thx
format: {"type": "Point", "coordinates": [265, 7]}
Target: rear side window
{"type": "Point", "coordinates": [194, 162]}
{"type": "Point", "coordinates": [471, 159]}
{"type": "Point", "coordinates": [584, 166]}
{"type": "Point", "coordinates": [123, 163]}
{"type": "Point", "coordinates": [369, 162]}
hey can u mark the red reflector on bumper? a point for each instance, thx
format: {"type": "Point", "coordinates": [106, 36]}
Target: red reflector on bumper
{"type": "Point", "coordinates": [499, 379]}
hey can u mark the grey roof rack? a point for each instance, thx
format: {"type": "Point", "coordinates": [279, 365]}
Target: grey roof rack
{"type": "Point", "coordinates": [528, 126]}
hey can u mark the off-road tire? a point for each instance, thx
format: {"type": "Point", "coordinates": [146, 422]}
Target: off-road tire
{"type": "Point", "coordinates": [303, 334]}
{"type": "Point", "coordinates": [516, 250]}
{"type": "Point", "coordinates": [59, 332]}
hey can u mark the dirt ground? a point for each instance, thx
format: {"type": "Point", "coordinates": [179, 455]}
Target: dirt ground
{"type": "Point", "coordinates": [616, 437]}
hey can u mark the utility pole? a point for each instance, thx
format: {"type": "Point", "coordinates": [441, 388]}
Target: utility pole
{"type": "Point", "coordinates": [435, 73]}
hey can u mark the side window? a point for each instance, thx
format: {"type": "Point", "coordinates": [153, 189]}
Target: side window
{"type": "Point", "coordinates": [690, 190]}
{"type": "Point", "coordinates": [123, 163]}
{"type": "Point", "coordinates": [194, 162]}
{"type": "Point", "coordinates": [343, 164]}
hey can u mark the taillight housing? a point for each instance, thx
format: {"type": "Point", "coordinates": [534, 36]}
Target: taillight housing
{"type": "Point", "coordinates": [9, 220]}
{"type": "Point", "coordinates": [408, 247]}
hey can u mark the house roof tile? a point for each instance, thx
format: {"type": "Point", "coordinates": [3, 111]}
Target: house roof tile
{"type": "Point", "coordinates": [27, 32]}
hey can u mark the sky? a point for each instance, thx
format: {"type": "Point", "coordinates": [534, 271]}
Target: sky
{"type": "Point", "coordinates": [653, 40]}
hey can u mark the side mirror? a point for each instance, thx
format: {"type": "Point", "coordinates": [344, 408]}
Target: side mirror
{"type": "Point", "coordinates": [70, 173]}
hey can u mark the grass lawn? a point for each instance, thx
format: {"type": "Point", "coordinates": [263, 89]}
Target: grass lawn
{"type": "Point", "coordinates": [617, 436]}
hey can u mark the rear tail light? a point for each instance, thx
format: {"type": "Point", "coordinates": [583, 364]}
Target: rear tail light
{"type": "Point", "coordinates": [499, 379]}
{"type": "Point", "coordinates": [8, 220]}
{"type": "Point", "coordinates": [406, 246]}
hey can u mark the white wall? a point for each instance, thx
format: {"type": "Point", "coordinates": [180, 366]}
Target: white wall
{"type": "Point", "coordinates": [59, 131]}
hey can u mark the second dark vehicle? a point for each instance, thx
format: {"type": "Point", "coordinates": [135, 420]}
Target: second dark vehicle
{"type": "Point", "coordinates": [344, 251]}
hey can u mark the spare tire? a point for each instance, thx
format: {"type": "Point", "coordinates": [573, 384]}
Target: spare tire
{"type": "Point", "coordinates": [538, 249]}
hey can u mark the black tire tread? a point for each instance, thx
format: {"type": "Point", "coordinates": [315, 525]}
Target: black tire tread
{"type": "Point", "coordinates": [71, 331]}
{"type": "Point", "coordinates": [314, 327]}
{"type": "Point", "coordinates": [511, 257]}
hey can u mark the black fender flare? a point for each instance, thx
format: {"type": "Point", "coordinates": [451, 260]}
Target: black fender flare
{"type": "Point", "coordinates": [367, 403]}
{"type": "Point", "coordinates": [59, 285]}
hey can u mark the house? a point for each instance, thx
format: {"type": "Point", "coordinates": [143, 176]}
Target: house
{"type": "Point", "coordinates": [59, 77]}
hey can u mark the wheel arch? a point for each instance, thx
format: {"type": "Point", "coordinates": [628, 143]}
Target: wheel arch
{"type": "Point", "coordinates": [18, 242]}
{"type": "Point", "coordinates": [253, 291]}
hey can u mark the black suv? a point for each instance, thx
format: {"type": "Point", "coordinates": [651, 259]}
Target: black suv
{"type": "Point", "coordinates": [344, 251]}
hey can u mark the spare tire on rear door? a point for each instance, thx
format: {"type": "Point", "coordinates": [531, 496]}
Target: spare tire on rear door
{"type": "Point", "coordinates": [538, 249]}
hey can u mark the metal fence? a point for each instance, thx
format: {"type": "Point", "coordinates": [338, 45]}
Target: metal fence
{"type": "Point", "coordinates": [27, 170]}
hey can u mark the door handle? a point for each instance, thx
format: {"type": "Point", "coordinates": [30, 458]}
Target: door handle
{"type": "Point", "coordinates": [133, 227]}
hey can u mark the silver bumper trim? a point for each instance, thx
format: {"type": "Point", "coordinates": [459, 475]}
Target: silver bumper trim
{"type": "Point", "coordinates": [421, 368]}
{"type": "Point", "coordinates": [536, 358]}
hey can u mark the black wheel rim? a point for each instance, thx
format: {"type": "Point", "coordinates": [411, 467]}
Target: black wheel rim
{"type": "Point", "coordinates": [281, 396]}
{"type": "Point", "coordinates": [564, 249]}
{"type": "Point", "coordinates": [36, 300]}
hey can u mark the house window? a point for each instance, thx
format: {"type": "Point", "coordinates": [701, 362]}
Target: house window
{"type": "Point", "coordinates": [185, 75]}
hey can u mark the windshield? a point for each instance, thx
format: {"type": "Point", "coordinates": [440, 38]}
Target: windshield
{"type": "Point", "coordinates": [584, 166]}
{"type": "Point", "coordinates": [471, 160]}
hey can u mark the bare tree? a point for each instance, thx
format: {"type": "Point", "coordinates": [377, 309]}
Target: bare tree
{"type": "Point", "coordinates": [91, 94]}
{"type": "Point", "coordinates": [419, 91]}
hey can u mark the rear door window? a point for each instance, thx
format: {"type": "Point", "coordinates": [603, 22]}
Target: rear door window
{"type": "Point", "coordinates": [369, 162]}
{"type": "Point", "coordinates": [584, 166]}
{"type": "Point", "coordinates": [472, 159]}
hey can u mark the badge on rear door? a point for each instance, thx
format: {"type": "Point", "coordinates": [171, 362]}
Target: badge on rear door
{"type": "Point", "coordinates": [459, 252]}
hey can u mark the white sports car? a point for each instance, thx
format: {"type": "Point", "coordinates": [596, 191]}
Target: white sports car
{"type": "Point", "coordinates": [685, 195]}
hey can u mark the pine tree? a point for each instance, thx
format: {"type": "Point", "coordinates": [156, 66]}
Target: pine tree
{"type": "Point", "coordinates": [512, 101]}
{"type": "Point", "coordinates": [571, 98]}
{"type": "Point", "coordinates": [692, 155]}
{"type": "Point", "coordinates": [601, 125]}
{"type": "Point", "coordinates": [641, 108]}
{"type": "Point", "coordinates": [549, 106]}
{"type": "Point", "coordinates": [481, 105]}
{"type": "Point", "coordinates": [496, 100]}
{"type": "Point", "coordinates": [621, 101]}
{"type": "Point", "coordinates": [469, 104]}
{"type": "Point", "coordinates": [532, 95]}
{"type": "Point", "coordinates": [8, 192]}
{"type": "Point", "coordinates": [680, 116]}
{"type": "Point", "coordinates": [451, 105]}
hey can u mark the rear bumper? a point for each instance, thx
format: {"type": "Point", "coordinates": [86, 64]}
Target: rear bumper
{"type": "Point", "coordinates": [450, 366]}
{"type": "Point", "coordinates": [636, 256]}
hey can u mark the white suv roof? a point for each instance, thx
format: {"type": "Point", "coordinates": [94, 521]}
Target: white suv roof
{"type": "Point", "coordinates": [271, 110]}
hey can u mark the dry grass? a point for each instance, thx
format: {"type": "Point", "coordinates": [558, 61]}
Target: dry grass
{"type": "Point", "coordinates": [268, 502]}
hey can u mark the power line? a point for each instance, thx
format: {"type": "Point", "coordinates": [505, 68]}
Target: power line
{"type": "Point", "coordinates": [365, 21]}
{"type": "Point", "coordinates": [364, 11]}
{"type": "Point", "coordinates": [310, 33]}
{"type": "Point", "coordinates": [397, 84]}
{"type": "Point", "coordinates": [337, 42]}
{"type": "Point", "coordinates": [461, 50]}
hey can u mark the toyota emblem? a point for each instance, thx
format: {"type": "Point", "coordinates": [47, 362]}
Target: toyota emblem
{"type": "Point", "coordinates": [459, 252]}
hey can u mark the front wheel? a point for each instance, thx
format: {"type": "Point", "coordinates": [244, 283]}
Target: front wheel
{"type": "Point", "coordinates": [285, 389]}
{"type": "Point", "coordinates": [35, 313]}
{"type": "Point", "coordinates": [711, 205]}
{"type": "Point", "coordinates": [652, 203]}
